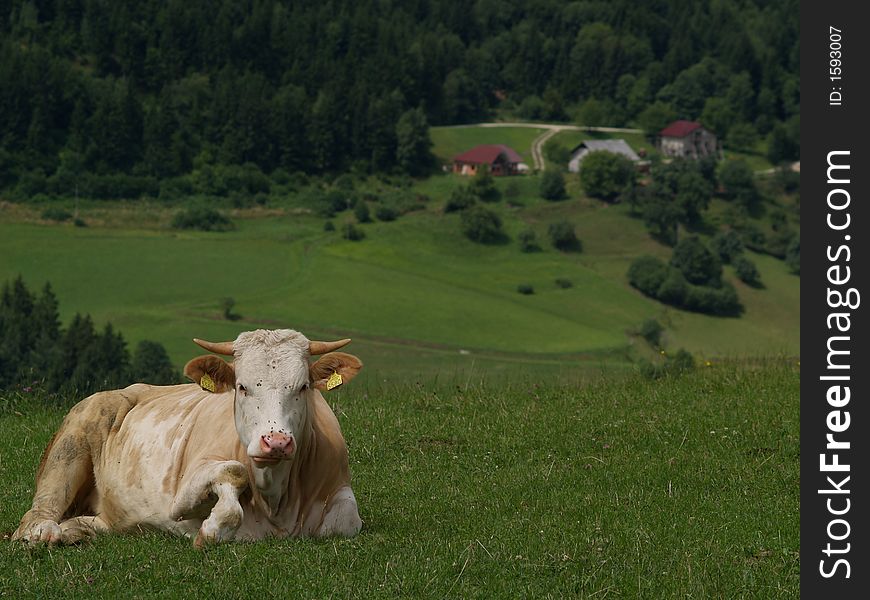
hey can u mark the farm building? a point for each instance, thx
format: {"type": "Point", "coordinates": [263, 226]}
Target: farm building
{"type": "Point", "coordinates": [501, 160]}
{"type": "Point", "coordinates": [687, 139]}
{"type": "Point", "coordinates": [616, 146]}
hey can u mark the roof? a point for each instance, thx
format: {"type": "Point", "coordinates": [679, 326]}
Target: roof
{"type": "Point", "coordinates": [487, 153]}
{"type": "Point", "coordinates": [679, 129]}
{"type": "Point", "coordinates": [615, 146]}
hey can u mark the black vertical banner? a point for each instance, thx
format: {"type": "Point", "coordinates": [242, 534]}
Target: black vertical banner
{"type": "Point", "coordinates": [835, 191]}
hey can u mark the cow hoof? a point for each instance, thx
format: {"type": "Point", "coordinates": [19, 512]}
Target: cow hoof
{"type": "Point", "coordinates": [47, 532]}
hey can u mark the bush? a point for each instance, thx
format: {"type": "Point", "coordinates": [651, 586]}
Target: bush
{"type": "Point", "coordinates": [528, 241]}
{"type": "Point", "coordinates": [727, 245]}
{"type": "Point", "coordinates": [460, 199]}
{"type": "Point", "coordinates": [746, 271]}
{"type": "Point", "coordinates": [605, 174]}
{"type": "Point", "coordinates": [647, 274]}
{"type": "Point", "coordinates": [673, 289]}
{"type": "Point", "coordinates": [79, 222]}
{"type": "Point", "coordinates": [482, 186]}
{"type": "Point", "coordinates": [361, 211]}
{"type": "Point", "coordinates": [329, 226]}
{"type": "Point", "coordinates": [697, 263]}
{"type": "Point", "coordinates": [564, 283]}
{"type": "Point", "coordinates": [386, 213]}
{"type": "Point", "coordinates": [563, 238]}
{"type": "Point", "coordinates": [552, 185]}
{"type": "Point", "coordinates": [201, 218]}
{"type": "Point", "coordinates": [651, 330]}
{"type": "Point", "coordinates": [525, 289]}
{"type": "Point", "coordinates": [720, 301]}
{"type": "Point", "coordinates": [481, 225]}
{"type": "Point", "coordinates": [227, 305]}
{"type": "Point", "coordinates": [352, 233]}
{"type": "Point", "coordinates": [54, 213]}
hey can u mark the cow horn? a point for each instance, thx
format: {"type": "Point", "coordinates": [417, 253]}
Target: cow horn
{"type": "Point", "coordinates": [315, 347]}
{"type": "Point", "coordinates": [216, 347]}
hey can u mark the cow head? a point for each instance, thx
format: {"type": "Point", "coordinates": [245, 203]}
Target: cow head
{"type": "Point", "coordinates": [273, 385]}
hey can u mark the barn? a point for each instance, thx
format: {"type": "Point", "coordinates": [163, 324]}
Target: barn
{"type": "Point", "coordinates": [584, 148]}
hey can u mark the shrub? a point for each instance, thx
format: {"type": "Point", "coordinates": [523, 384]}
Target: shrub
{"type": "Point", "coordinates": [525, 289]}
{"type": "Point", "coordinates": [54, 213]}
{"type": "Point", "coordinates": [227, 305]}
{"type": "Point", "coordinates": [482, 186]}
{"type": "Point", "coordinates": [460, 199]}
{"type": "Point", "coordinates": [697, 263]}
{"type": "Point", "coordinates": [361, 211]}
{"type": "Point", "coordinates": [528, 241]}
{"type": "Point", "coordinates": [727, 245]}
{"type": "Point", "coordinates": [605, 174]}
{"type": "Point", "coordinates": [481, 225]}
{"type": "Point", "coordinates": [329, 226]}
{"type": "Point", "coordinates": [647, 274]}
{"type": "Point", "coordinates": [720, 301]}
{"type": "Point", "coordinates": [386, 213]}
{"type": "Point", "coordinates": [79, 222]}
{"type": "Point", "coordinates": [552, 185]}
{"type": "Point", "coordinates": [352, 233]}
{"type": "Point", "coordinates": [201, 218]}
{"type": "Point", "coordinates": [746, 271]}
{"type": "Point", "coordinates": [564, 283]}
{"type": "Point", "coordinates": [563, 238]}
{"type": "Point", "coordinates": [673, 289]}
{"type": "Point", "coordinates": [651, 330]}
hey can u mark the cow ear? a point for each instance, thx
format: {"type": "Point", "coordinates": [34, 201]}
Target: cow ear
{"type": "Point", "coordinates": [211, 373]}
{"type": "Point", "coordinates": [323, 372]}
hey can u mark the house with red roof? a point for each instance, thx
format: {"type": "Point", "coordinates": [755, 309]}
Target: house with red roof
{"type": "Point", "coordinates": [501, 160]}
{"type": "Point", "coordinates": [687, 139]}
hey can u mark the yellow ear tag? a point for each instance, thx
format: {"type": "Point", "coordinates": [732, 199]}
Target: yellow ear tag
{"type": "Point", "coordinates": [334, 381]}
{"type": "Point", "coordinates": [207, 383]}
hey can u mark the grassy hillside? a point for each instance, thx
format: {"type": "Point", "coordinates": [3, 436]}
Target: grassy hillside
{"type": "Point", "coordinates": [415, 293]}
{"type": "Point", "coordinates": [670, 489]}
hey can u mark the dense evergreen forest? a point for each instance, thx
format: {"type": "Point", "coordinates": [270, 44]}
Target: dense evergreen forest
{"type": "Point", "coordinates": [119, 97]}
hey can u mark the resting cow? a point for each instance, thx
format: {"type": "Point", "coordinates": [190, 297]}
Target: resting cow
{"type": "Point", "coordinates": [251, 450]}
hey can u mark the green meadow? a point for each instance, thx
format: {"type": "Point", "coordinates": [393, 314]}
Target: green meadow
{"type": "Point", "coordinates": [414, 288]}
{"type": "Point", "coordinates": [682, 487]}
{"type": "Point", "coordinates": [447, 142]}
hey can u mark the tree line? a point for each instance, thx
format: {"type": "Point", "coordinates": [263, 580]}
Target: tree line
{"type": "Point", "coordinates": [114, 95]}
{"type": "Point", "coordinates": [37, 353]}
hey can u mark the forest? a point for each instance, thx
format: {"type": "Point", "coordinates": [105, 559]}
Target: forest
{"type": "Point", "coordinates": [122, 98]}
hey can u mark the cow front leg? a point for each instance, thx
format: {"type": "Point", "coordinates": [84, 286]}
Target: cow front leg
{"type": "Point", "coordinates": [213, 490]}
{"type": "Point", "coordinates": [341, 515]}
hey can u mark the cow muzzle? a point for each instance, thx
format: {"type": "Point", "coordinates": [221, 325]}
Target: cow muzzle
{"type": "Point", "coordinates": [275, 447]}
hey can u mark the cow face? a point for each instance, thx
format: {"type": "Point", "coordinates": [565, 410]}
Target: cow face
{"type": "Point", "coordinates": [273, 385]}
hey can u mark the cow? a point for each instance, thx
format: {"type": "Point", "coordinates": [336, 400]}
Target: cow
{"type": "Point", "coordinates": [251, 450]}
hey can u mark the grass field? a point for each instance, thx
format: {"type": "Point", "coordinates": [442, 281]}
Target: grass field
{"type": "Point", "coordinates": [677, 488]}
{"type": "Point", "coordinates": [450, 141]}
{"type": "Point", "coordinates": [413, 287]}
